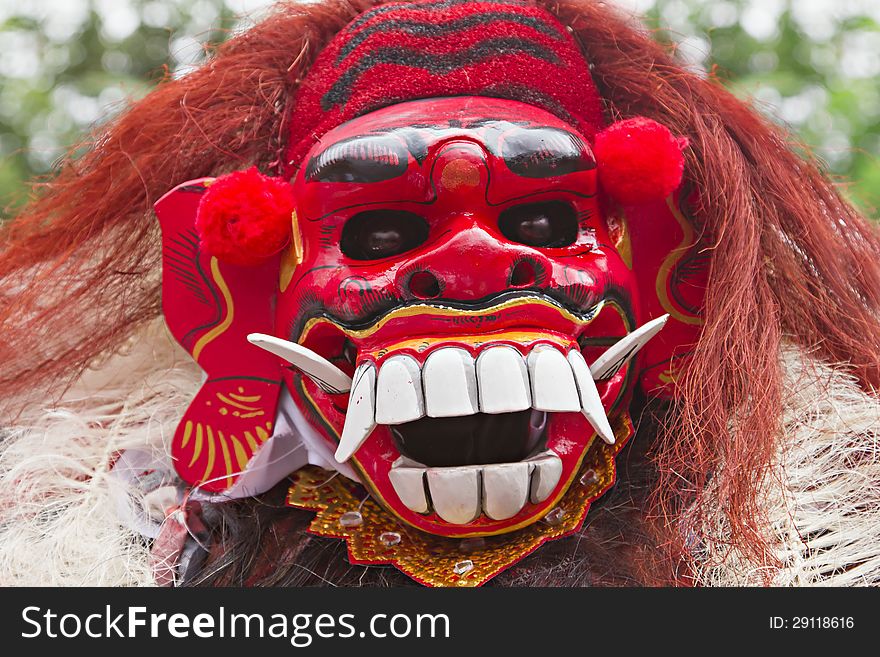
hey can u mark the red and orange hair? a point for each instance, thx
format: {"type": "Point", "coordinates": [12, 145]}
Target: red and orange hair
{"type": "Point", "coordinates": [790, 259]}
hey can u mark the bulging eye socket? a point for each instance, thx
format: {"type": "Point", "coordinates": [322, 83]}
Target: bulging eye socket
{"type": "Point", "coordinates": [547, 225]}
{"type": "Point", "coordinates": [378, 234]}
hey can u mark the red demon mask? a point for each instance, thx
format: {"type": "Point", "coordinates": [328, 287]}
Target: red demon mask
{"type": "Point", "coordinates": [450, 289]}
{"type": "Point", "coordinates": [467, 274]}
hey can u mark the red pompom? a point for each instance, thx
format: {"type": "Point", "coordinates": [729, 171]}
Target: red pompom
{"type": "Point", "coordinates": [244, 218]}
{"type": "Point", "coordinates": [639, 161]}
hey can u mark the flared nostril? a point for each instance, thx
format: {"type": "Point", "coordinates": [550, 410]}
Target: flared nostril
{"type": "Point", "coordinates": [523, 274]}
{"type": "Point", "coordinates": [424, 285]}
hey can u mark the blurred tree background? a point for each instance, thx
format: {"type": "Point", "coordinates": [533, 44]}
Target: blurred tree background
{"type": "Point", "coordinates": [67, 65]}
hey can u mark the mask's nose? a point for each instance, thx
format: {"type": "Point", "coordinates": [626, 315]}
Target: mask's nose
{"type": "Point", "coordinates": [471, 261]}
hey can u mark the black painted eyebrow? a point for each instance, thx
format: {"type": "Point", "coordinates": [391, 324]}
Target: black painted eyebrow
{"type": "Point", "coordinates": [361, 159]}
{"type": "Point", "coordinates": [545, 152]}
{"type": "Point", "coordinates": [528, 151]}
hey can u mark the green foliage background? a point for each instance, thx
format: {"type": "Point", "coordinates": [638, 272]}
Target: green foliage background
{"type": "Point", "coordinates": [67, 65]}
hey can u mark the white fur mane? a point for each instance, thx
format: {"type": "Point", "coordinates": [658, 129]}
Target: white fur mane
{"type": "Point", "coordinates": [59, 525]}
{"type": "Point", "coordinates": [58, 519]}
{"type": "Point", "coordinates": [823, 499]}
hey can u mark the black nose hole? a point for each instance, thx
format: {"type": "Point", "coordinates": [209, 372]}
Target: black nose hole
{"type": "Point", "coordinates": [523, 274]}
{"type": "Point", "coordinates": [424, 285]}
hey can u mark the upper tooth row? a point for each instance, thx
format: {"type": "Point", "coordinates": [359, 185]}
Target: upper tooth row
{"type": "Point", "coordinates": [335, 381]}
{"type": "Point", "coordinates": [452, 384]}
{"type": "Point", "coordinates": [459, 494]}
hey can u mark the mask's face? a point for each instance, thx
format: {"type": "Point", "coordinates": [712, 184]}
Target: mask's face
{"type": "Point", "coordinates": [457, 265]}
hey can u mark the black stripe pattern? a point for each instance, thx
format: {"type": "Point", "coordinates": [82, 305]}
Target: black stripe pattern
{"type": "Point", "coordinates": [419, 28]}
{"type": "Point", "coordinates": [437, 64]}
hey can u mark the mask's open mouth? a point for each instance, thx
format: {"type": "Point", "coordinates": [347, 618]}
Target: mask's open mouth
{"type": "Point", "coordinates": [457, 427]}
{"type": "Point", "coordinates": [472, 440]}
{"type": "Point", "coordinates": [470, 420]}
{"type": "Point", "coordinates": [461, 467]}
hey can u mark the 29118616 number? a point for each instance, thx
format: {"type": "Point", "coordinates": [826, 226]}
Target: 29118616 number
{"type": "Point", "coordinates": [822, 622]}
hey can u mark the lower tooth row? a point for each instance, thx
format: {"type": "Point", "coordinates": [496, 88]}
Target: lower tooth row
{"type": "Point", "coordinates": [459, 494]}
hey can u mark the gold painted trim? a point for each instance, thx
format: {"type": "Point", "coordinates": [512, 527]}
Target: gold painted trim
{"type": "Point", "coordinates": [197, 450]}
{"type": "Point", "coordinates": [230, 312]}
{"type": "Point", "coordinates": [227, 460]}
{"type": "Point", "coordinates": [231, 402]}
{"type": "Point", "coordinates": [240, 455]}
{"type": "Point", "coordinates": [674, 256]}
{"type": "Point", "coordinates": [519, 336]}
{"type": "Point", "coordinates": [187, 433]}
{"type": "Point", "coordinates": [440, 311]}
{"type": "Point", "coordinates": [249, 437]}
{"type": "Point", "coordinates": [245, 399]}
{"type": "Point", "coordinates": [212, 453]}
{"type": "Point", "coordinates": [293, 255]}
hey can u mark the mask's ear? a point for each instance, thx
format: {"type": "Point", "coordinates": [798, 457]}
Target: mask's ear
{"type": "Point", "coordinates": [641, 167]}
{"type": "Point", "coordinates": [671, 270]}
{"type": "Point", "coordinates": [210, 306]}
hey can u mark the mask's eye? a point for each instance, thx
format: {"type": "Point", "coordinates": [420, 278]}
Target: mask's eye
{"type": "Point", "coordinates": [550, 224]}
{"type": "Point", "coordinates": [377, 234]}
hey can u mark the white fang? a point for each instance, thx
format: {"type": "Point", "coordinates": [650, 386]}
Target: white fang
{"type": "Point", "coordinates": [618, 355]}
{"type": "Point", "coordinates": [316, 367]}
{"type": "Point", "coordinates": [360, 419]}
